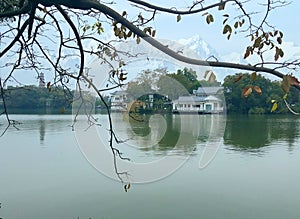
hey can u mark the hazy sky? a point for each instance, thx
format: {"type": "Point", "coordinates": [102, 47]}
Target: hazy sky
{"type": "Point", "coordinates": [286, 19]}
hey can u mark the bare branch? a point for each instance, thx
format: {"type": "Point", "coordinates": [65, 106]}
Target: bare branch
{"type": "Point", "coordinates": [77, 38]}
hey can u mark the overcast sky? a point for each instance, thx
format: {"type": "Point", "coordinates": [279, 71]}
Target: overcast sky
{"type": "Point", "coordinates": [286, 19]}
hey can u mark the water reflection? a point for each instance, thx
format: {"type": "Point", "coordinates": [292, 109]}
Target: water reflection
{"type": "Point", "coordinates": [254, 132]}
{"type": "Point", "coordinates": [42, 130]}
{"type": "Point", "coordinates": [183, 133]}
{"type": "Point", "coordinates": [163, 133]}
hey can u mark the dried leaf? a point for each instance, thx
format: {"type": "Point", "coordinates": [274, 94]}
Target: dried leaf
{"type": "Point", "coordinates": [247, 53]}
{"type": "Point", "coordinates": [236, 24]}
{"type": "Point", "coordinates": [257, 89]}
{"type": "Point", "coordinates": [221, 7]}
{"type": "Point", "coordinates": [138, 40]}
{"type": "Point", "coordinates": [238, 78]}
{"type": "Point", "coordinates": [153, 33]}
{"type": "Point", "coordinates": [178, 18]}
{"type": "Point", "coordinates": [253, 76]}
{"type": "Point", "coordinates": [209, 19]}
{"type": "Point", "coordinates": [279, 40]}
{"type": "Point", "coordinates": [246, 91]}
{"type": "Point", "coordinates": [294, 81]}
{"type": "Point", "coordinates": [122, 77]}
{"type": "Point", "coordinates": [257, 42]}
{"type": "Point", "coordinates": [49, 86]}
{"type": "Point", "coordinates": [63, 110]}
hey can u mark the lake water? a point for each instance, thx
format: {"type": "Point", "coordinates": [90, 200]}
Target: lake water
{"type": "Point", "coordinates": [45, 173]}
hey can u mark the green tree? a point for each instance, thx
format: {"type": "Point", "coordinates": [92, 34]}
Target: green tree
{"type": "Point", "coordinates": [259, 100]}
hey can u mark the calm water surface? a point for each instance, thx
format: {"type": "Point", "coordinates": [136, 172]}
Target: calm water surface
{"type": "Point", "coordinates": [255, 173]}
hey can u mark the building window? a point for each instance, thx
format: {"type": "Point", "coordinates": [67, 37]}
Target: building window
{"type": "Point", "coordinates": [208, 107]}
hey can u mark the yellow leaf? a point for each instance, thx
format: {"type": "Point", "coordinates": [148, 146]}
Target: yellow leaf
{"type": "Point", "coordinates": [253, 76]}
{"type": "Point", "coordinates": [274, 107]}
{"type": "Point", "coordinates": [286, 83]}
{"type": "Point", "coordinates": [212, 77]}
{"type": "Point", "coordinates": [285, 96]}
{"type": "Point", "coordinates": [63, 110]}
{"type": "Point", "coordinates": [206, 73]}
{"type": "Point", "coordinates": [273, 101]}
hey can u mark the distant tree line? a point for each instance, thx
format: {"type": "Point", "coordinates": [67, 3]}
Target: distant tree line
{"type": "Point", "coordinates": [36, 99]}
{"type": "Point", "coordinates": [57, 99]}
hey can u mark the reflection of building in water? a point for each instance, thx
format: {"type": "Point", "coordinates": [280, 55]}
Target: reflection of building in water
{"type": "Point", "coordinates": [203, 100]}
{"type": "Point", "coordinates": [42, 131]}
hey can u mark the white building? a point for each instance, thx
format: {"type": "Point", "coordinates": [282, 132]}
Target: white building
{"type": "Point", "coordinates": [203, 100]}
{"type": "Point", "coordinates": [119, 101]}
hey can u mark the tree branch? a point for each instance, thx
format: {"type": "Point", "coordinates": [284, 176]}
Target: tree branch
{"type": "Point", "coordinates": [174, 11]}
{"type": "Point", "coordinates": [73, 27]}
{"type": "Point", "coordinates": [12, 43]}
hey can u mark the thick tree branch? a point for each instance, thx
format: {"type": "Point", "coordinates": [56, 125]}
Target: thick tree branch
{"type": "Point", "coordinates": [174, 11]}
{"type": "Point", "coordinates": [17, 37]}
